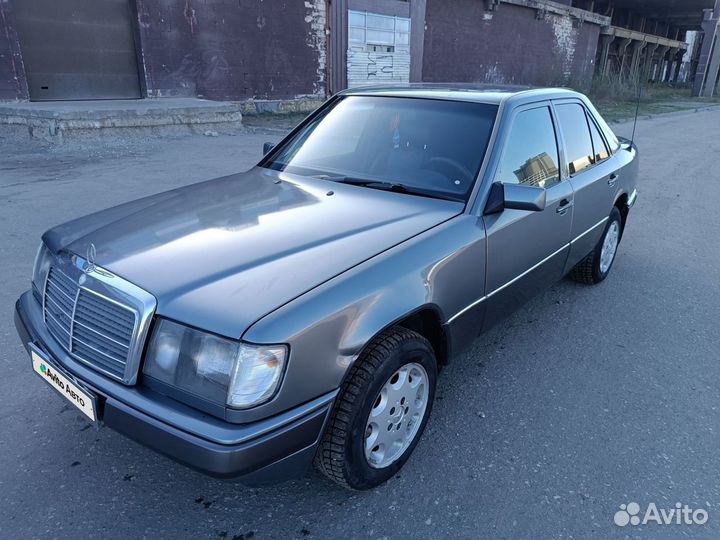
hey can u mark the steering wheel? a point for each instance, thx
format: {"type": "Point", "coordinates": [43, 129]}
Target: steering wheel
{"type": "Point", "coordinates": [452, 169]}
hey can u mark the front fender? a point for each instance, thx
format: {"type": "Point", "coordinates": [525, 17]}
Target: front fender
{"type": "Point", "coordinates": [327, 327]}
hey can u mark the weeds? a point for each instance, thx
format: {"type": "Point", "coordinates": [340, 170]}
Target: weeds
{"type": "Point", "coordinates": [616, 96]}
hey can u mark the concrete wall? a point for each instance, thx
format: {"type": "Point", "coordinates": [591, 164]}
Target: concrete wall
{"type": "Point", "coordinates": [12, 74]}
{"type": "Point", "coordinates": [513, 44]}
{"type": "Point", "coordinates": [233, 49]}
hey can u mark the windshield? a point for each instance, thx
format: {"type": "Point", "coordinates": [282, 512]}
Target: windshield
{"type": "Point", "coordinates": [425, 146]}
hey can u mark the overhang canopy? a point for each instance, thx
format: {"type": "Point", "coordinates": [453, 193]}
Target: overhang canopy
{"type": "Point", "coordinates": [687, 14]}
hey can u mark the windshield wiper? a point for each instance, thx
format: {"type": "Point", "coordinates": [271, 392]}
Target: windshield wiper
{"type": "Point", "coordinates": [374, 184]}
{"type": "Point", "coordinates": [384, 185]}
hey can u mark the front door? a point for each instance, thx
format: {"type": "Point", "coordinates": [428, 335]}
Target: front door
{"type": "Point", "coordinates": [526, 250]}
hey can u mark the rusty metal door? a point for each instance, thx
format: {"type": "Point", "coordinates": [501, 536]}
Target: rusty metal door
{"type": "Point", "coordinates": [78, 49]}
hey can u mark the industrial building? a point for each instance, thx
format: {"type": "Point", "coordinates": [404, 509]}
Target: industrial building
{"type": "Point", "coordinates": [237, 50]}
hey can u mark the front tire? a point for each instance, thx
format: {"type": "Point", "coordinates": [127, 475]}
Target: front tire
{"type": "Point", "coordinates": [596, 266]}
{"type": "Point", "coordinates": [381, 411]}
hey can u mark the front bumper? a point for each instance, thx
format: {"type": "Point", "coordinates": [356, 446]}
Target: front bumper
{"type": "Point", "coordinates": [263, 451]}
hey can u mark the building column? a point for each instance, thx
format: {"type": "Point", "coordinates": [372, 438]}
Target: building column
{"type": "Point", "coordinates": [694, 56]}
{"type": "Point", "coordinates": [638, 47]}
{"type": "Point", "coordinates": [605, 42]}
{"type": "Point", "coordinates": [670, 59]}
{"type": "Point", "coordinates": [337, 45]}
{"type": "Point", "coordinates": [710, 23]}
{"type": "Point", "coordinates": [678, 64]}
{"type": "Point", "coordinates": [661, 52]}
{"type": "Point", "coordinates": [417, 38]}
{"type": "Point", "coordinates": [646, 69]}
{"type": "Point", "coordinates": [621, 50]}
{"type": "Point", "coordinates": [16, 64]}
{"type": "Point", "coordinates": [713, 66]}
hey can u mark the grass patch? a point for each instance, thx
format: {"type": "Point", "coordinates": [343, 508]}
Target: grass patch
{"type": "Point", "coordinates": [616, 99]}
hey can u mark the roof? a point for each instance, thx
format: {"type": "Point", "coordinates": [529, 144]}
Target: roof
{"type": "Point", "coordinates": [478, 93]}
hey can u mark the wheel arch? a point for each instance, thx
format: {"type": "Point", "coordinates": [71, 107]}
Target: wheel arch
{"type": "Point", "coordinates": [621, 204]}
{"type": "Point", "coordinates": [426, 320]}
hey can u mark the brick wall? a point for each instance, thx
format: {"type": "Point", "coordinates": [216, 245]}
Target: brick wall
{"type": "Point", "coordinates": [276, 49]}
{"type": "Point", "coordinates": [233, 49]}
{"type": "Point", "coordinates": [12, 74]}
{"type": "Point", "coordinates": [512, 45]}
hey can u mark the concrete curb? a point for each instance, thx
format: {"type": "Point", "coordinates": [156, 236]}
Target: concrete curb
{"type": "Point", "coordinates": [708, 107]}
{"type": "Point", "coordinates": [54, 122]}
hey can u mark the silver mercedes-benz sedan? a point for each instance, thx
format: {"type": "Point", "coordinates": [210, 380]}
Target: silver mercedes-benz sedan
{"type": "Point", "coordinates": [300, 312]}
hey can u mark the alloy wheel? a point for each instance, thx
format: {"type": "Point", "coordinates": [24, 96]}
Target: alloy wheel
{"type": "Point", "coordinates": [609, 247]}
{"type": "Point", "coordinates": [396, 415]}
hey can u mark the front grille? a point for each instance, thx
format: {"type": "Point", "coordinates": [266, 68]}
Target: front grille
{"type": "Point", "coordinates": [95, 329]}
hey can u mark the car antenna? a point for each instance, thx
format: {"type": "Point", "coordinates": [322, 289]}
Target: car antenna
{"type": "Point", "coordinates": [637, 109]}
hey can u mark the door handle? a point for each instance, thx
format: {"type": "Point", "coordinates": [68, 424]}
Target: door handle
{"type": "Point", "coordinates": [613, 178]}
{"type": "Point", "coordinates": [563, 206]}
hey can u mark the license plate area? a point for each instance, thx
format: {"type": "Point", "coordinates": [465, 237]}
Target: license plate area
{"type": "Point", "coordinates": [66, 385]}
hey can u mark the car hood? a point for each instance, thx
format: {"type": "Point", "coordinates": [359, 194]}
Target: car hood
{"type": "Point", "coordinates": [221, 254]}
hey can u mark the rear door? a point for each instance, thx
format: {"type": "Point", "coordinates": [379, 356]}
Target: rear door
{"type": "Point", "coordinates": [592, 172]}
{"type": "Point", "coordinates": [526, 250]}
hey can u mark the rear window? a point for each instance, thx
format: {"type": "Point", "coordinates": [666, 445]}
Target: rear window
{"type": "Point", "coordinates": [436, 146]}
{"type": "Point", "coordinates": [601, 151]}
{"type": "Point", "coordinates": [609, 135]}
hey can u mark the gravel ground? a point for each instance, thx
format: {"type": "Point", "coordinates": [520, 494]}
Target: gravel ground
{"type": "Point", "coordinates": [586, 399]}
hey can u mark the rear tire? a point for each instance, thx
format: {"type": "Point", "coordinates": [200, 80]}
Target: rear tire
{"type": "Point", "coordinates": [596, 266]}
{"type": "Point", "coordinates": [381, 411]}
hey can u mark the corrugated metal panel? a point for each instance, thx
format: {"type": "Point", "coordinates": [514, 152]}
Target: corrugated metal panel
{"type": "Point", "coordinates": [365, 67]}
{"type": "Point", "coordinates": [78, 49]}
{"type": "Point", "coordinates": [378, 48]}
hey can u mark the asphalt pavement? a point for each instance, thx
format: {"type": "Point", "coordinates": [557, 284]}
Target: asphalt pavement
{"type": "Point", "coordinates": [586, 399]}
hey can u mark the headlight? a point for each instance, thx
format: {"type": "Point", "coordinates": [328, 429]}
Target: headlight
{"type": "Point", "coordinates": [217, 369]}
{"type": "Point", "coordinates": [43, 259]}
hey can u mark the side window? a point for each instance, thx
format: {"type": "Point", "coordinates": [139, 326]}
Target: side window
{"type": "Point", "coordinates": [578, 145]}
{"type": "Point", "coordinates": [601, 151]}
{"type": "Point", "coordinates": [610, 137]}
{"type": "Point", "coordinates": [531, 154]}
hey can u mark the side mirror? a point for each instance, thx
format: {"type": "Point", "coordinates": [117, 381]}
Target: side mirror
{"type": "Point", "coordinates": [267, 147]}
{"type": "Point", "coordinates": [515, 196]}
